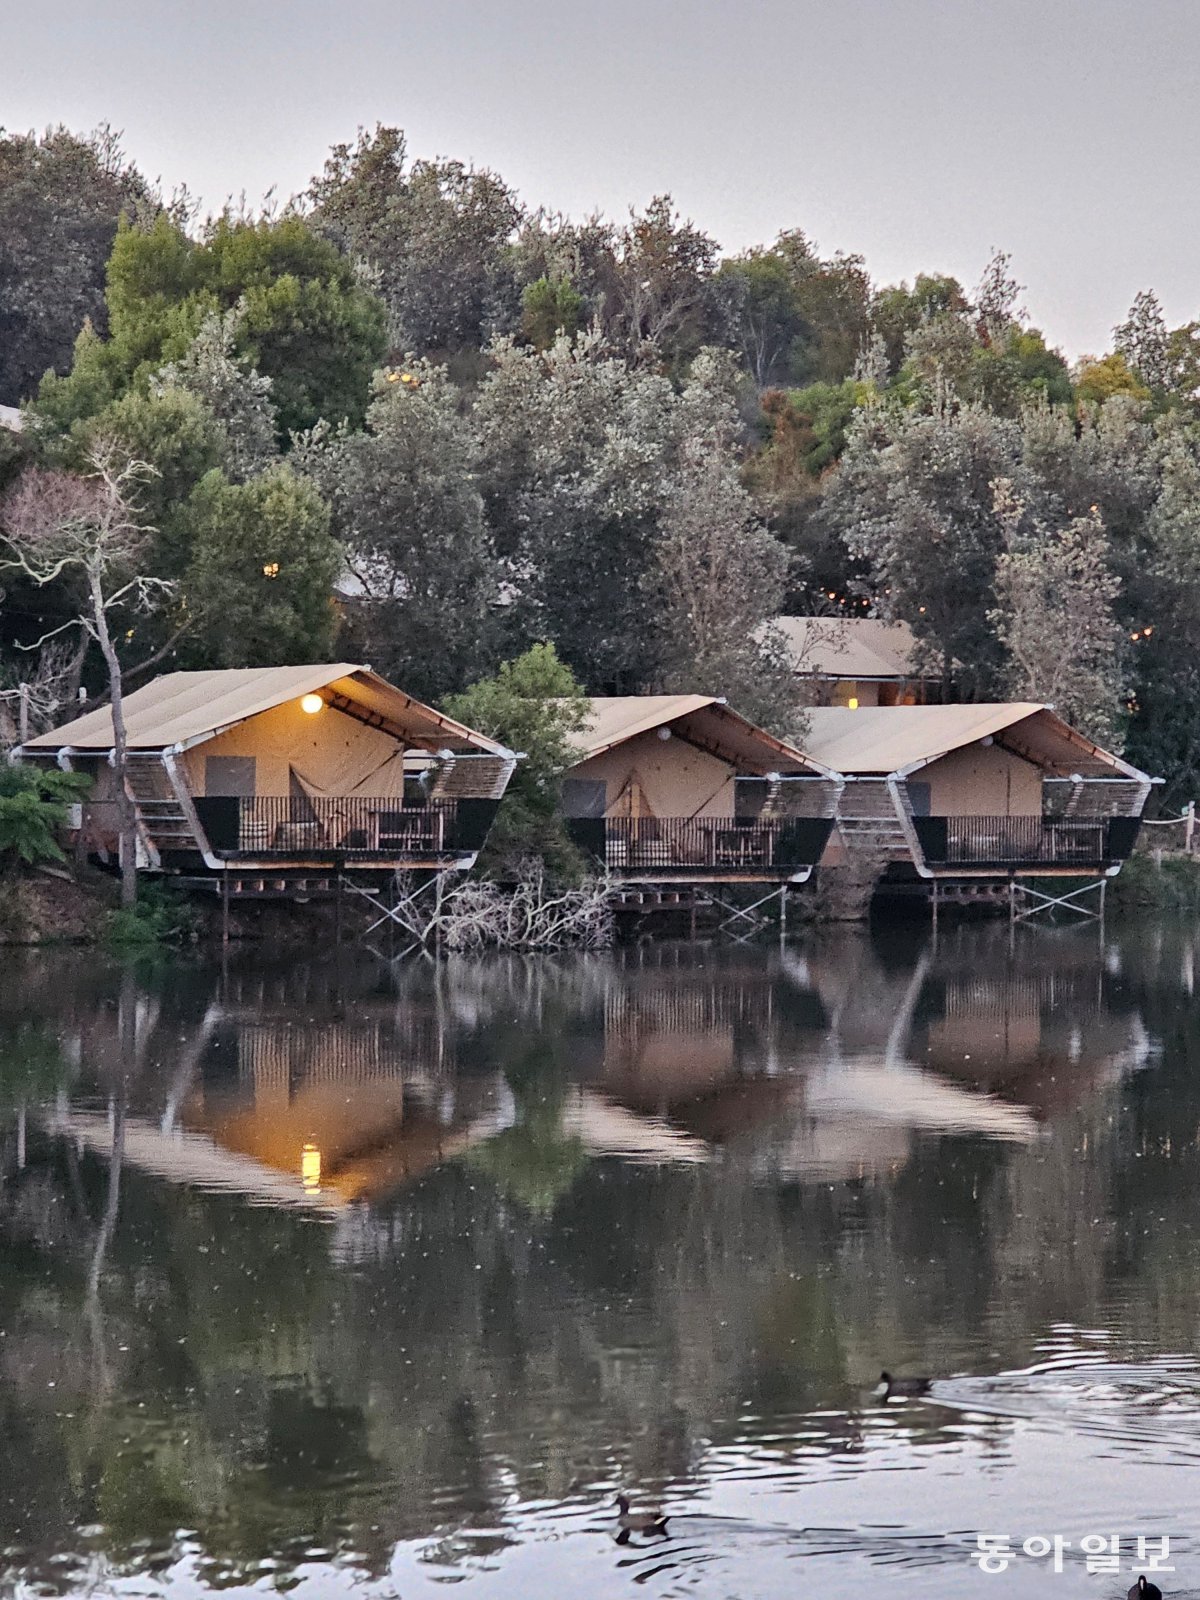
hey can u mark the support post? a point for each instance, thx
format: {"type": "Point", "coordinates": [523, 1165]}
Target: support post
{"type": "Point", "coordinates": [933, 891]}
{"type": "Point", "coordinates": [23, 714]}
{"type": "Point", "coordinates": [337, 912]}
{"type": "Point", "coordinates": [783, 893]}
{"type": "Point", "coordinates": [1189, 828]}
{"type": "Point", "coordinates": [225, 907]}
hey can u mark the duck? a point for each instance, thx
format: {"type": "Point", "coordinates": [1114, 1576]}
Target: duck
{"type": "Point", "coordinates": [637, 1521]}
{"type": "Point", "coordinates": [901, 1388]}
{"type": "Point", "coordinates": [1143, 1589]}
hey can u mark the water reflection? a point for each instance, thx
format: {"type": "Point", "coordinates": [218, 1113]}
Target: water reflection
{"type": "Point", "coordinates": [356, 1280]}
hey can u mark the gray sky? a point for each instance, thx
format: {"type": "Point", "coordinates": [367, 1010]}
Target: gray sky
{"type": "Point", "coordinates": [917, 132]}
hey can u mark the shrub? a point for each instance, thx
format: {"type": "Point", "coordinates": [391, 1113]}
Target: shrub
{"type": "Point", "coordinates": [33, 809]}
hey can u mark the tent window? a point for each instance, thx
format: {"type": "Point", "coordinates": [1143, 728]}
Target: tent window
{"type": "Point", "coordinates": [584, 797]}
{"type": "Point", "coordinates": [229, 775]}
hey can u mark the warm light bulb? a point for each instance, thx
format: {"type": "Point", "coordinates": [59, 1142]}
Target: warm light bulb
{"type": "Point", "coordinates": [312, 703]}
{"type": "Point", "coordinates": [853, 702]}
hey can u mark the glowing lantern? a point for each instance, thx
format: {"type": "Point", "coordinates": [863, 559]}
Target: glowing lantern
{"type": "Point", "coordinates": [312, 703]}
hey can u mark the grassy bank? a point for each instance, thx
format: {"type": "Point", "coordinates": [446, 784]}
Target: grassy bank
{"type": "Point", "coordinates": [1172, 882]}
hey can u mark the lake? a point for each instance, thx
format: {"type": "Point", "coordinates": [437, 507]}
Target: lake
{"type": "Point", "coordinates": [336, 1279]}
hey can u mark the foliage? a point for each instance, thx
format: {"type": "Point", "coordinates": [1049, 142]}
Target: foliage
{"type": "Point", "coordinates": [571, 447]}
{"type": "Point", "coordinates": [302, 319]}
{"type": "Point", "coordinates": [409, 517]}
{"type": "Point", "coordinates": [535, 706]}
{"type": "Point", "coordinates": [33, 811]}
{"type": "Point", "coordinates": [159, 917]}
{"type": "Point", "coordinates": [261, 570]}
{"type": "Point", "coordinates": [913, 501]}
{"type": "Point", "coordinates": [1099, 380]}
{"type": "Point", "coordinates": [236, 396]}
{"type": "Point", "coordinates": [550, 306]}
{"type": "Point", "coordinates": [719, 577]}
{"type": "Point", "coordinates": [431, 240]}
{"type": "Point", "coordinates": [795, 318]}
{"type": "Point", "coordinates": [1054, 615]}
{"type": "Point", "coordinates": [61, 198]}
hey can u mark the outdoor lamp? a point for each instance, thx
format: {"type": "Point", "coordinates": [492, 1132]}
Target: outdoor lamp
{"type": "Point", "coordinates": [664, 734]}
{"type": "Point", "coordinates": [312, 703]}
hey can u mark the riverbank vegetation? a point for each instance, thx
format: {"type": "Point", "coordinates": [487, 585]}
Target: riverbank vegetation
{"type": "Point", "coordinates": [409, 419]}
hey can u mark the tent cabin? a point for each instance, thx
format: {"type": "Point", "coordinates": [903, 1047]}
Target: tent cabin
{"type": "Point", "coordinates": [857, 662]}
{"type": "Point", "coordinates": [978, 790]}
{"type": "Point", "coordinates": [679, 788]}
{"type": "Point", "coordinates": [282, 768]}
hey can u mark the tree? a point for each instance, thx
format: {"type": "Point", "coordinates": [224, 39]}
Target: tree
{"type": "Point", "coordinates": [89, 530]}
{"type": "Point", "coordinates": [550, 306]}
{"type": "Point", "coordinates": [61, 198]}
{"type": "Point", "coordinates": [409, 515]}
{"type": "Point", "coordinates": [1164, 626]}
{"type": "Point", "coordinates": [433, 240]}
{"type": "Point", "coordinates": [237, 397]}
{"type": "Point", "coordinates": [897, 311]}
{"type": "Point", "coordinates": [571, 445]}
{"type": "Point", "coordinates": [262, 567]}
{"type": "Point", "coordinates": [534, 704]}
{"type": "Point", "coordinates": [794, 317]}
{"type": "Point", "coordinates": [1055, 593]}
{"type": "Point", "coordinates": [302, 319]}
{"type": "Point", "coordinates": [718, 577]}
{"type": "Point", "coordinates": [913, 501]}
{"type": "Point", "coordinates": [1142, 339]}
{"type": "Point", "coordinates": [1099, 379]}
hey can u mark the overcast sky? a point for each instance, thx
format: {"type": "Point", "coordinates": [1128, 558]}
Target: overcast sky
{"type": "Point", "coordinates": [918, 132]}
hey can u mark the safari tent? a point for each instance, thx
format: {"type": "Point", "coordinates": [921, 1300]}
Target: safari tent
{"type": "Point", "coordinates": [978, 790]}
{"type": "Point", "coordinates": [857, 662]}
{"type": "Point", "coordinates": [285, 767]}
{"type": "Point", "coordinates": [681, 788]}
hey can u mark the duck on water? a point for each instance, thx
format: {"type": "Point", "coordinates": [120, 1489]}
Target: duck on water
{"type": "Point", "coordinates": [901, 1388]}
{"type": "Point", "coordinates": [1143, 1589]}
{"type": "Point", "coordinates": [629, 1522]}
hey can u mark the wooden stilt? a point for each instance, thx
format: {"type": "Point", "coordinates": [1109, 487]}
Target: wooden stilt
{"type": "Point", "coordinates": [225, 907]}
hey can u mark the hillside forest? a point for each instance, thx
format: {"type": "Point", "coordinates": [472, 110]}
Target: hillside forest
{"type": "Point", "coordinates": [406, 419]}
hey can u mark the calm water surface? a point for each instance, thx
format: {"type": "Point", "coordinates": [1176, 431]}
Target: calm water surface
{"type": "Point", "coordinates": [326, 1279]}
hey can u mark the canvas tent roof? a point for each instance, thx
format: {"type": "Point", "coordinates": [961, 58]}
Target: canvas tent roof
{"type": "Point", "coordinates": [850, 647]}
{"type": "Point", "coordinates": [899, 739]}
{"type": "Point", "coordinates": [704, 719]}
{"type": "Point", "coordinates": [180, 709]}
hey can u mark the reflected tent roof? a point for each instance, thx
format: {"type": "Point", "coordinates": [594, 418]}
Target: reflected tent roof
{"type": "Point", "coordinates": [180, 709]}
{"type": "Point", "coordinates": [700, 719]}
{"type": "Point", "coordinates": [850, 647]}
{"type": "Point", "coordinates": [880, 740]}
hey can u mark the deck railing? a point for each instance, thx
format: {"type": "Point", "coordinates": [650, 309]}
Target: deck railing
{"type": "Point", "coordinates": [700, 845]}
{"type": "Point", "coordinates": [356, 826]}
{"type": "Point", "coordinates": [1025, 841]}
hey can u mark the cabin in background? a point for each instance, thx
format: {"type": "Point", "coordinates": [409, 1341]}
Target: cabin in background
{"type": "Point", "coordinates": [977, 791]}
{"type": "Point", "coordinates": [857, 662]}
{"type": "Point", "coordinates": [680, 788]}
{"type": "Point", "coordinates": [285, 770]}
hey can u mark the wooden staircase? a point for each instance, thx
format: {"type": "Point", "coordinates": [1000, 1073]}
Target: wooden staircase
{"type": "Point", "coordinates": [869, 822]}
{"type": "Point", "coordinates": [162, 822]}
